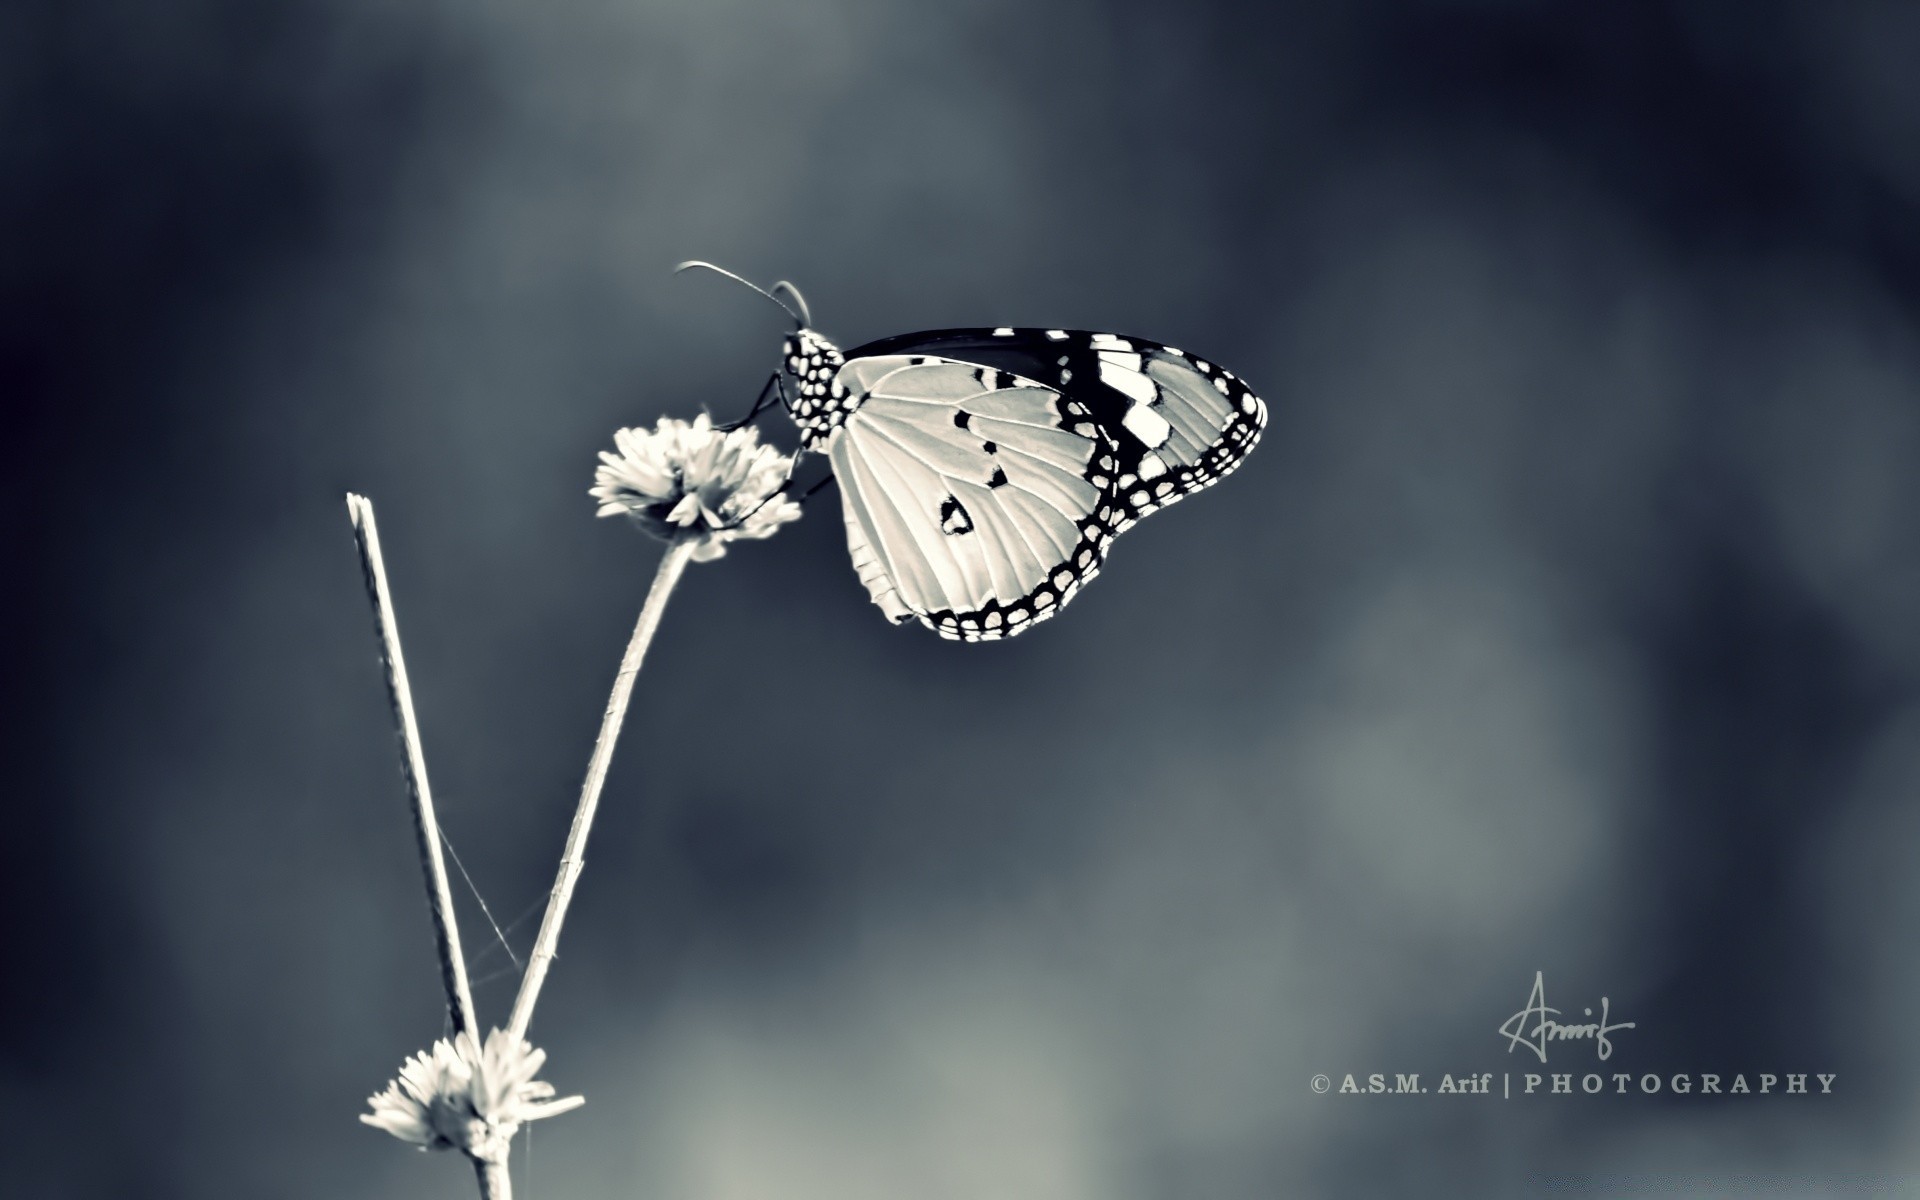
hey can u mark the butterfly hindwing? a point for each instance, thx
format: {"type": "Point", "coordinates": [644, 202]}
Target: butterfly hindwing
{"type": "Point", "coordinates": [967, 493]}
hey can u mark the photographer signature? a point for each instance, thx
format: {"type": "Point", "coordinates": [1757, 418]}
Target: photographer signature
{"type": "Point", "coordinates": [1515, 1030]}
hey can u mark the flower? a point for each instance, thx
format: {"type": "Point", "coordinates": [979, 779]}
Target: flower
{"type": "Point", "coordinates": [462, 1097]}
{"type": "Point", "coordinates": [688, 479]}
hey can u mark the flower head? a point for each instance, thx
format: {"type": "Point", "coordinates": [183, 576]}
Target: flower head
{"type": "Point", "coordinates": [463, 1097]}
{"type": "Point", "coordinates": [688, 479]}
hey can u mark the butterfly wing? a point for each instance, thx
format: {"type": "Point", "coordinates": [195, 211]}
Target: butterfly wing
{"type": "Point", "coordinates": [1178, 423]}
{"type": "Point", "coordinates": [968, 493]}
{"type": "Point", "coordinates": [984, 472]}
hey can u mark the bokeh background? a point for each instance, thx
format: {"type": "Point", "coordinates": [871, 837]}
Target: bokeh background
{"type": "Point", "coordinates": [1568, 619]}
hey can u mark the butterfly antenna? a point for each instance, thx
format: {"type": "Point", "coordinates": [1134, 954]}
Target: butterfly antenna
{"type": "Point", "coordinates": [798, 319]}
{"type": "Point", "coordinates": [789, 289]}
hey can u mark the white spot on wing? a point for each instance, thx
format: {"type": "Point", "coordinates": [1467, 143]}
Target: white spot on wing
{"type": "Point", "coordinates": [1152, 466]}
{"type": "Point", "coordinates": [1121, 358]}
{"type": "Point", "coordinates": [1134, 384]}
{"type": "Point", "coordinates": [1056, 335]}
{"type": "Point", "coordinates": [1003, 331]}
{"type": "Point", "coordinates": [1147, 425]}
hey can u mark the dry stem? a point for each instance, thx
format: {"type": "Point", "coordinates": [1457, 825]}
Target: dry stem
{"type": "Point", "coordinates": [413, 764]}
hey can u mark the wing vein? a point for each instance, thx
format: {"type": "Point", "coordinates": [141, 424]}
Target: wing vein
{"type": "Point", "coordinates": [899, 548]}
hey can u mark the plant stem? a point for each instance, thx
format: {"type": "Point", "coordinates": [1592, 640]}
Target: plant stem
{"type": "Point", "coordinates": [413, 766]}
{"type": "Point", "coordinates": [495, 1183]}
{"type": "Point", "coordinates": [572, 859]}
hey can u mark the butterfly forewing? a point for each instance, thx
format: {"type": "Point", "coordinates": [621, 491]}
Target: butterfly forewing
{"type": "Point", "coordinates": [1177, 422]}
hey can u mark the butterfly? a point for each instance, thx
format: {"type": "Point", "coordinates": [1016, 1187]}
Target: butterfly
{"type": "Point", "coordinates": [984, 473]}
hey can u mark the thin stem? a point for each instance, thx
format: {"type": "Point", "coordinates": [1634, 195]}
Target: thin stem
{"type": "Point", "coordinates": [413, 765]}
{"type": "Point", "coordinates": [495, 1182]}
{"type": "Point", "coordinates": [573, 858]}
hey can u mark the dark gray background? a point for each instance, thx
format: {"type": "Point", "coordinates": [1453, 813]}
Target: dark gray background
{"type": "Point", "coordinates": [1566, 620]}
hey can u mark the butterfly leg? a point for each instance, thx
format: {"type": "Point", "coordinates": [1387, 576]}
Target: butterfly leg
{"type": "Point", "coordinates": [824, 481]}
{"type": "Point", "coordinates": [785, 487]}
{"type": "Point", "coordinates": [802, 498]}
{"type": "Point", "coordinates": [760, 403]}
{"type": "Point", "coordinates": [783, 490]}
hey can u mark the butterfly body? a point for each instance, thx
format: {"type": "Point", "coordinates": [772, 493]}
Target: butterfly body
{"type": "Point", "coordinates": [985, 472]}
{"type": "Point", "coordinates": [820, 403]}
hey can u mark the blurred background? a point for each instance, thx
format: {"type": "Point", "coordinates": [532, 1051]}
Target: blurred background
{"type": "Point", "coordinates": [1565, 621]}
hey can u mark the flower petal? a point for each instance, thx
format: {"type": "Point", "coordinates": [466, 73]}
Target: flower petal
{"type": "Point", "coordinates": [685, 478]}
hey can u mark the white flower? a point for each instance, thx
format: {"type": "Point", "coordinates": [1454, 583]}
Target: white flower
{"type": "Point", "coordinates": [461, 1097]}
{"type": "Point", "coordinates": [686, 478]}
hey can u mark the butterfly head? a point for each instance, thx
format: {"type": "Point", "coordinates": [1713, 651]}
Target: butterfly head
{"type": "Point", "coordinates": [821, 403]}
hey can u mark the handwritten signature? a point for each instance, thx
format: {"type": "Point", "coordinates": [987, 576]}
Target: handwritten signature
{"type": "Point", "coordinates": [1515, 1030]}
